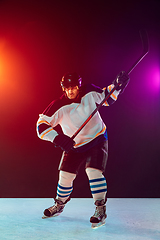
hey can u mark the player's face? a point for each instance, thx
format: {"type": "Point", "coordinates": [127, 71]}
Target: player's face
{"type": "Point", "coordinates": [72, 92]}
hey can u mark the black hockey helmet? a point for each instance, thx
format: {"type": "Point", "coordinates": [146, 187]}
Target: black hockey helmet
{"type": "Point", "coordinates": [70, 80]}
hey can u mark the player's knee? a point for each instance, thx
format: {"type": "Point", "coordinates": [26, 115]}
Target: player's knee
{"type": "Point", "coordinates": [92, 172]}
{"type": "Point", "coordinates": [66, 176]}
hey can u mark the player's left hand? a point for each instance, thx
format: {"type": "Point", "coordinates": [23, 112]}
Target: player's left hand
{"type": "Point", "coordinates": [64, 142]}
{"type": "Point", "coordinates": [121, 81]}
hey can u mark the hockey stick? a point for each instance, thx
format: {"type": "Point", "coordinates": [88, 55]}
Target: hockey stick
{"type": "Point", "coordinates": [145, 45]}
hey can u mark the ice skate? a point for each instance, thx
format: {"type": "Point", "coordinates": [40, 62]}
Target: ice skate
{"type": "Point", "coordinates": [98, 219]}
{"type": "Point", "coordinates": [55, 210]}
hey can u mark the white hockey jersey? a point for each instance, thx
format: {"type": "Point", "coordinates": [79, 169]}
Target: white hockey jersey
{"type": "Point", "coordinates": [70, 114]}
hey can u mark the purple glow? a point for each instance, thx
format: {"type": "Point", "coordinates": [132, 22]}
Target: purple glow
{"type": "Point", "coordinates": [152, 71]}
{"type": "Point", "coordinates": [143, 91]}
{"type": "Point", "coordinates": [153, 77]}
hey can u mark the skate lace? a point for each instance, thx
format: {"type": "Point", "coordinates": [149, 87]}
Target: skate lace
{"type": "Point", "coordinates": [99, 211]}
{"type": "Point", "coordinates": [56, 208]}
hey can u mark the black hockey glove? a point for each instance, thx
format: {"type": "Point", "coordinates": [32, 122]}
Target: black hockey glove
{"type": "Point", "coordinates": [64, 142]}
{"type": "Point", "coordinates": [121, 81]}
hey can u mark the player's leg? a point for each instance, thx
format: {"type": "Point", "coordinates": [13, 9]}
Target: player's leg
{"type": "Point", "coordinates": [68, 167]}
{"type": "Point", "coordinates": [95, 166]}
{"type": "Point", "coordinates": [64, 189]}
{"type": "Point", "coordinates": [98, 187]}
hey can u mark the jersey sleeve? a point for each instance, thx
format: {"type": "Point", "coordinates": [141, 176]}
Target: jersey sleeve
{"type": "Point", "coordinates": [48, 124]}
{"type": "Point", "coordinates": [100, 95]}
{"type": "Point", "coordinates": [113, 97]}
{"type": "Point", "coordinates": [45, 128]}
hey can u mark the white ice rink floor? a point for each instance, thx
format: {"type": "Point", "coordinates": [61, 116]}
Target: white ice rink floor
{"type": "Point", "coordinates": [128, 219]}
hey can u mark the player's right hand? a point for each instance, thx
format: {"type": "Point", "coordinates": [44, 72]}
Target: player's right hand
{"type": "Point", "coordinates": [64, 142]}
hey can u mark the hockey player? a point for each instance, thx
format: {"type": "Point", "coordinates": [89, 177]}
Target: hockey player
{"type": "Point", "coordinates": [90, 145]}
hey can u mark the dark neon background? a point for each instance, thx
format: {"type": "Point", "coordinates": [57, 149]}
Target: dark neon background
{"type": "Point", "coordinates": [39, 42]}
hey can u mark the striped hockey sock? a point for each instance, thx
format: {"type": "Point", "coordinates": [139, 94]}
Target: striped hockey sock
{"type": "Point", "coordinates": [65, 185]}
{"type": "Point", "coordinates": [63, 192]}
{"type": "Point", "coordinates": [98, 184]}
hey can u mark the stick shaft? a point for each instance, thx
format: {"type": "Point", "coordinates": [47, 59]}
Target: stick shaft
{"type": "Point", "coordinates": [145, 44]}
{"type": "Point", "coordinates": [136, 63]}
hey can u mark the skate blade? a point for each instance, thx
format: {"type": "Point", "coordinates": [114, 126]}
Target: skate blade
{"type": "Point", "coordinates": [44, 216]}
{"type": "Point", "coordinates": [97, 225]}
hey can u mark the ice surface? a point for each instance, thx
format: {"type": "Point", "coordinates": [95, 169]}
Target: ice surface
{"type": "Point", "coordinates": [128, 219]}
